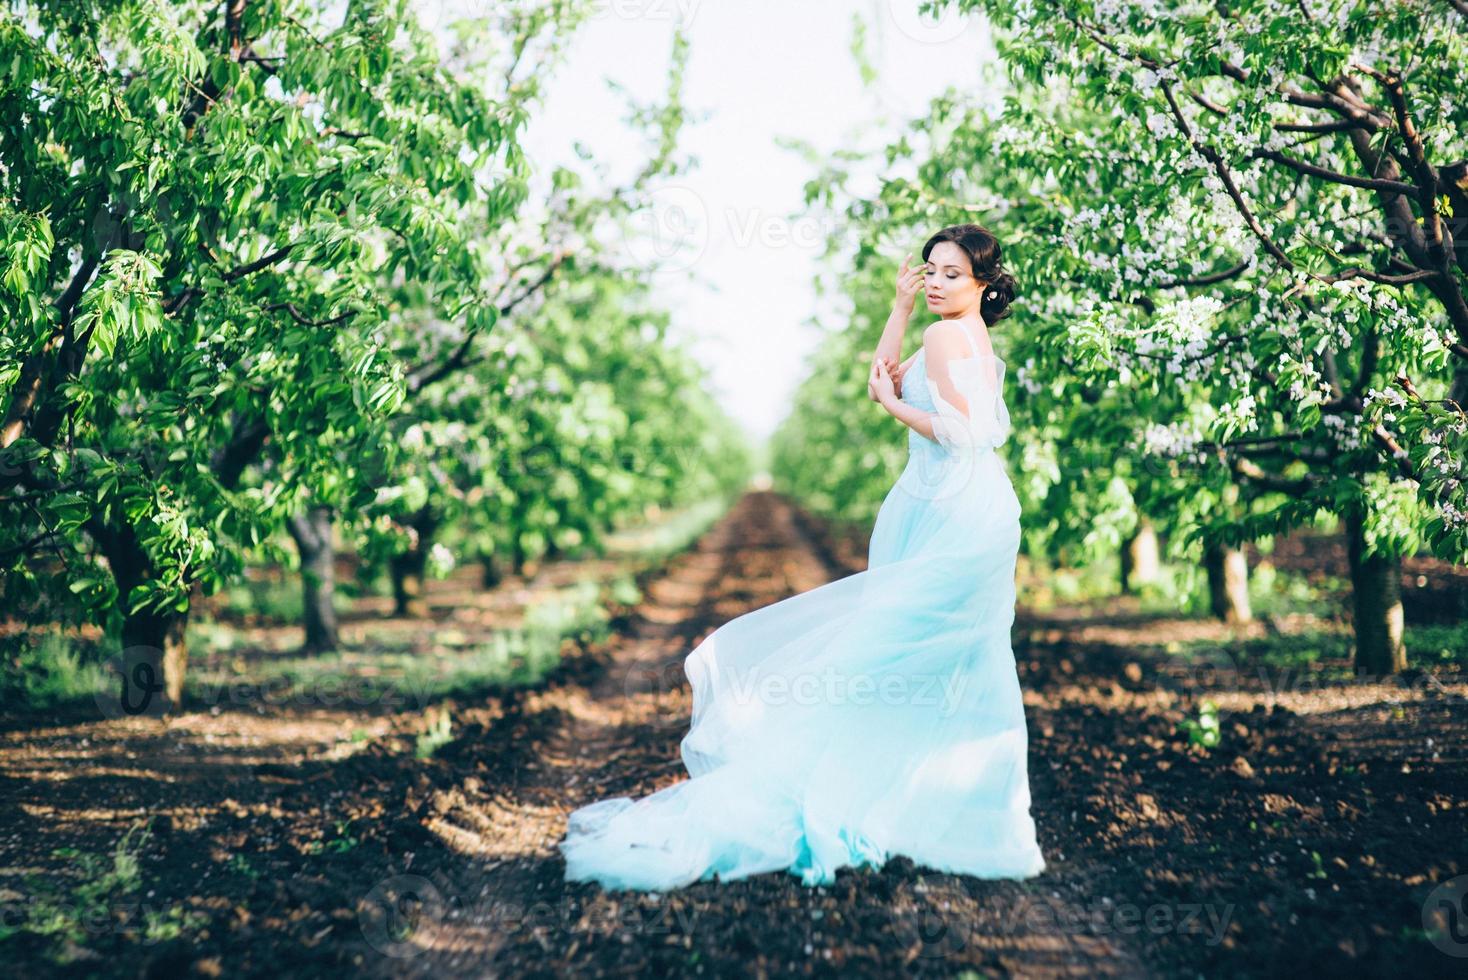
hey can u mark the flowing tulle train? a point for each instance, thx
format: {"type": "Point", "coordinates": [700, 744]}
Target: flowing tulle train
{"type": "Point", "coordinates": [876, 715]}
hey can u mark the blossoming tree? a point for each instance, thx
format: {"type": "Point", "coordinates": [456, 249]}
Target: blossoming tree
{"type": "Point", "coordinates": [1236, 236]}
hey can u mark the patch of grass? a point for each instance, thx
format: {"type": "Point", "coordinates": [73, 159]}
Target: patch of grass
{"type": "Point", "coordinates": [1308, 648]}
{"type": "Point", "coordinates": [623, 590]}
{"type": "Point", "coordinates": [344, 841]}
{"type": "Point", "coordinates": [1275, 592]}
{"type": "Point", "coordinates": [669, 532]}
{"type": "Point", "coordinates": [396, 673]}
{"type": "Point", "coordinates": [382, 675]}
{"type": "Point", "coordinates": [98, 900]}
{"type": "Point", "coordinates": [49, 670]}
{"type": "Point", "coordinates": [1320, 654]}
{"type": "Point", "coordinates": [175, 921]}
{"type": "Point", "coordinates": [439, 733]}
{"type": "Point", "coordinates": [241, 865]}
{"type": "Point", "coordinates": [1043, 586]}
{"type": "Point", "coordinates": [1182, 587]}
{"type": "Point", "coordinates": [1178, 588]}
{"type": "Point", "coordinates": [278, 598]}
{"type": "Point", "coordinates": [1435, 644]}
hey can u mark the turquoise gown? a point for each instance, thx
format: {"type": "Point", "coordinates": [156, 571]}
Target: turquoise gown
{"type": "Point", "coordinates": [876, 715]}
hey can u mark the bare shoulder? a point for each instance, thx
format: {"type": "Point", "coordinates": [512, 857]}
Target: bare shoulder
{"type": "Point", "coordinates": [933, 330]}
{"type": "Point", "coordinates": [944, 337]}
{"type": "Point", "coordinates": [947, 338]}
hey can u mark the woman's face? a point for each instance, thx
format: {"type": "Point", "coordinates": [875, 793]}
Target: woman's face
{"type": "Point", "coordinates": [951, 289]}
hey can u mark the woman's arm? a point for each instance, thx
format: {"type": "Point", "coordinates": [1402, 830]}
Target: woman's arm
{"type": "Point", "coordinates": [909, 281]}
{"type": "Point", "coordinates": [942, 346]}
{"type": "Point", "coordinates": [914, 418]}
{"type": "Point", "coordinates": [889, 348]}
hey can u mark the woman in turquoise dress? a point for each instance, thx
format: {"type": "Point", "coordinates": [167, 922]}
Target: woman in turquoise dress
{"type": "Point", "coordinates": [879, 714]}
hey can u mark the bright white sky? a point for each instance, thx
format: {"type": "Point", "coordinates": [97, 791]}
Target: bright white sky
{"type": "Point", "coordinates": [744, 287]}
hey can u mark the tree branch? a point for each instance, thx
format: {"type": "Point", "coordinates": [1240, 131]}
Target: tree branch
{"type": "Point", "coordinates": [1310, 169]}
{"type": "Point", "coordinates": [426, 374]}
{"type": "Point", "coordinates": [1358, 273]}
{"type": "Point", "coordinates": [1251, 471]}
{"type": "Point", "coordinates": [263, 262]}
{"type": "Point", "coordinates": [1337, 126]}
{"type": "Point", "coordinates": [301, 318]}
{"type": "Point", "coordinates": [230, 462]}
{"type": "Point", "coordinates": [1205, 280]}
{"type": "Point", "coordinates": [1427, 177]}
{"type": "Point", "coordinates": [1226, 176]}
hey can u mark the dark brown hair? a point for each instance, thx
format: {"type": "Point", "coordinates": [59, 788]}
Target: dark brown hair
{"type": "Point", "coordinates": [983, 252]}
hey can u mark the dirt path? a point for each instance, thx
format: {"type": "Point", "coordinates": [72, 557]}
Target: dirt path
{"type": "Point", "coordinates": [507, 912]}
{"type": "Point", "coordinates": [1312, 839]}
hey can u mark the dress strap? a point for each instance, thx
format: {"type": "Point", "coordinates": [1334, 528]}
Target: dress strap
{"type": "Point", "coordinates": [971, 345]}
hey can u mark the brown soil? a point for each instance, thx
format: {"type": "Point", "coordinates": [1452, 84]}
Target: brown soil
{"type": "Point", "coordinates": [292, 850]}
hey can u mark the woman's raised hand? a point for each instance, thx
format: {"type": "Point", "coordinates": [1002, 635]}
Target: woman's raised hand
{"type": "Point", "coordinates": [909, 282]}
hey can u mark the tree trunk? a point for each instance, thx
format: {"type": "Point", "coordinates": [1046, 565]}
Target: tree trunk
{"type": "Point", "coordinates": [1459, 391]}
{"type": "Point", "coordinates": [1139, 562]}
{"type": "Point", "coordinates": [1376, 589]}
{"type": "Point", "coordinates": [493, 573]}
{"type": "Point", "coordinates": [154, 662]}
{"type": "Point", "coordinates": [408, 567]}
{"type": "Point", "coordinates": [518, 558]}
{"type": "Point", "coordinates": [311, 530]}
{"type": "Point", "coordinates": [154, 657]}
{"type": "Point", "coordinates": [1228, 583]}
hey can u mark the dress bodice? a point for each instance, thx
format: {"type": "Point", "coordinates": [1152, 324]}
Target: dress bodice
{"type": "Point", "coordinates": [917, 392]}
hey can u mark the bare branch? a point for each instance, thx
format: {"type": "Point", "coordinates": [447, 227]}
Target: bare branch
{"type": "Point", "coordinates": [425, 374]}
{"type": "Point", "coordinates": [1260, 477]}
{"type": "Point", "coordinates": [1357, 273]}
{"type": "Point", "coordinates": [26, 547]}
{"type": "Point", "coordinates": [261, 263]}
{"type": "Point", "coordinates": [1208, 104]}
{"type": "Point", "coordinates": [1310, 169]}
{"type": "Point", "coordinates": [1205, 280]}
{"type": "Point", "coordinates": [301, 318]}
{"type": "Point", "coordinates": [1337, 126]}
